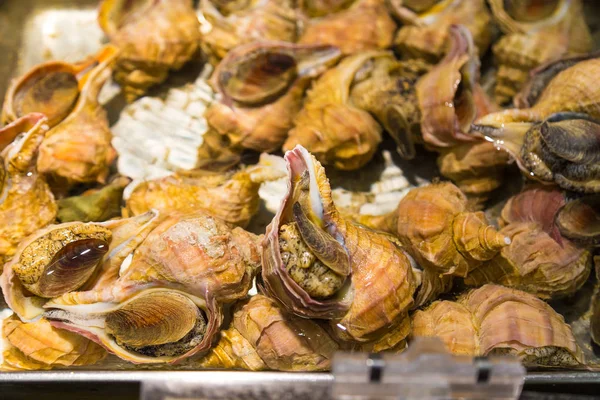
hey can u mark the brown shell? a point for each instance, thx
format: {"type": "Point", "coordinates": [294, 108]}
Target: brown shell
{"type": "Point", "coordinates": [199, 254]}
{"type": "Point", "coordinates": [283, 341]}
{"type": "Point", "coordinates": [498, 320]}
{"type": "Point", "coordinates": [335, 131]}
{"type": "Point", "coordinates": [446, 93]}
{"type": "Point", "coordinates": [78, 149]}
{"type": "Point", "coordinates": [38, 345]}
{"type": "Point", "coordinates": [579, 220]}
{"type": "Point", "coordinates": [233, 351]}
{"type": "Point", "coordinates": [535, 35]}
{"type": "Point", "coordinates": [262, 85]}
{"type": "Point", "coordinates": [339, 29]}
{"type": "Point", "coordinates": [538, 260]}
{"type": "Point", "coordinates": [436, 228]}
{"type": "Point", "coordinates": [381, 284]}
{"type": "Point", "coordinates": [231, 197]}
{"type": "Point", "coordinates": [153, 36]}
{"type": "Point", "coordinates": [26, 202]}
{"type": "Point", "coordinates": [425, 33]}
{"type": "Point", "coordinates": [255, 20]}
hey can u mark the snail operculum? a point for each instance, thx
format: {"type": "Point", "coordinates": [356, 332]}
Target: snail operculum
{"type": "Point", "coordinates": [62, 260]}
{"type": "Point", "coordinates": [158, 324]}
{"type": "Point", "coordinates": [313, 258]}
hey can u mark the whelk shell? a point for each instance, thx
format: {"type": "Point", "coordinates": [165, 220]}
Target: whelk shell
{"type": "Point", "coordinates": [154, 36]}
{"type": "Point", "coordinates": [538, 260]}
{"type": "Point", "coordinates": [264, 336]}
{"type": "Point", "coordinates": [85, 255]}
{"type": "Point", "coordinates": [262, 85]}
{"type": "Point", "coordinates": [536, 32]}
{"type": "Point", "coordinates": [232, 196]}
{"type": "Point", "coordinates": [339, 29]}
{"type": "Point", "coordinates": [38, 345]}
{"type": "Point", "coordinates": [498, 320]}
{"type": "Point", "coordinates": [257, 20]}
{"type": "Point", "coordinates": [579, 220]}
{"type": "Point", "coordinates": [78, 150]}
{"type": "Point", "coordinates": [425, 33]}
{"type": "Point", "coordinates": [366, 307]}
{"type": "Point", "coordinates": [334, 130]}
{"type": "Point", "coordinates": [26, 202]}
{"type": "Point", "coordinates": [150, 326]}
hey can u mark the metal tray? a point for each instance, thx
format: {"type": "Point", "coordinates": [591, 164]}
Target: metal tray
{"type": "Point", "coordinates": [34, 31]}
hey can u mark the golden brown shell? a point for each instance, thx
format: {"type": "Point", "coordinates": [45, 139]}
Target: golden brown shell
{"type": "Point", "coordinates": [38, 345]}
{"type": "Point", "coordinates": [494, 319]}
{"type": "Point", "coordinates": [153, 37]}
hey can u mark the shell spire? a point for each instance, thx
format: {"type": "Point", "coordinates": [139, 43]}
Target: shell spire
{"type": "Point", "coordinates": [476, 238]}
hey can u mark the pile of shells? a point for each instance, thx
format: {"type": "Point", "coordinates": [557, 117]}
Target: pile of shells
{"type": "Point", "coordinates": [315, 188]}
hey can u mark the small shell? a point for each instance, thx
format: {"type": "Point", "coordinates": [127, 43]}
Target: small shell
{"type": "Point", "coordinates": [437, 230]}
{"type": "Point", "coordinates": [425, 33]}
{"type": "Point", "coordinates": [329, 126]}
{"type": "Point", "coordinates": [254, 21]}
{"type": "Point", "coordinates": [538, 260]}
{"type": "Point", "coordinates": [233, 197]}
{"type": "Point", "coordinates": [321, 8]}
{"type": "Point", "coordinates": [367, 306]}
{"type": "Point", "coordinates": [153, 36]}
{"type": "Point", "coordinates": [476, 168]}
{"type": "Point", "coordinates": [38, 345]}
{"type": "Point", "coordinates": [452, 323]}
{"type": "Point", "coordinates": [283, 341]}
{"type": "Point", "coordinates": [535, 35]}
{"type": "Point", "coordinates": [145, 327]}
{"type": "Point", "coordinates": [26, 202]}
{"type": "Point", "coordinates": [339, 29]}
{"type": "Point", "coordinates": [579, 220]}
{"type": "Point", "coordinates": [498, 320]}
{"type": "Point", "coordinates": [446, 93]}
{"type": "Point", "coordinates": [262, 85]}
{"type": "Point", "coordinates": [233, 351]}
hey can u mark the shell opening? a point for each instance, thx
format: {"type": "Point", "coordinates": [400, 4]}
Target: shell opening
{"type": "Point", "coordinates": [157, 324]}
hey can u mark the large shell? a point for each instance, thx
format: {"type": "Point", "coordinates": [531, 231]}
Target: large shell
{"type": "Point", "coordinates": [477, 169]}
{"type": "Point", "coordinates": [78, 149]}
{"type": "Point", "coordinates": [334, 130]}
{"type": "Point", "coordinates": [425, 33]}
{"type": "Point", "coordinates": [146, 326]}
{"type": "Point", "coordinates": [535, 35]}
{"type": "Point", "coordinates": [233, 197]}
{"type": "Point", "coordinates": [66, 257]}
{"type": "Point", "coordinates": [26, 202]}
{"type": "Point", "coordinates": [153, 36]}
{"type": "Point", "coordinates": [262, 85]}
{"type": "Point", "coordinates": [498, 320]}
{"type": "Point", "coordinates": [436, 228]}
{"type": "Point", "coordinates": [38, 345]}
{"type": "Point", "coordinates": [569, 88]}
{"type": "Point", "coordinates": [340, 29]}
{"type": "Point", "coordinates": [446, 94]}
{"type": "Point", "coordinates": [388, 92]}
{"type": "Point", "coordinates": [269, 337]}
{"type": "Point", "coordinates": [538, 260]}
{"type": "Point", "coordinates": [195, 253]}
{"type": "Point", "coordinates": [256, 21]}
{"type": "Point", "coordinates": [378, 284]}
